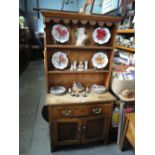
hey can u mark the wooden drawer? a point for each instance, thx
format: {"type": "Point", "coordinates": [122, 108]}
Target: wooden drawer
{"type": "Point", "coordinates": [77, 111]}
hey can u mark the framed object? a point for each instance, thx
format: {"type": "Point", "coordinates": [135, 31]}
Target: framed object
{"type": "Point", "coordinates": [109, 5]}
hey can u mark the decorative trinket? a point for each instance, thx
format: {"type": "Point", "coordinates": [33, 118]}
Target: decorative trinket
{"type": "Point", "coordinates": [75, 65]}
{"type": "Point", "coordinates": [77, 87]}
{"type": "Point", "coordinates": [77, 95]}
{"type": "Point", "coordinates": [72, 94]}
{"type": "Point", "coordinates": [84, 94]}
{"type": "Point", "coordinates": [80, 66]}
{"type": "Point", "coordinates": [87, 90]}
{"type": "Point", "coordinates": [71, 68]}
{"type": "Point", "coordinates": [86, 65]}
{"type": "Point", "coordinates": [81, 37]}
{"type": "Point", "coordinates": [69, 90]}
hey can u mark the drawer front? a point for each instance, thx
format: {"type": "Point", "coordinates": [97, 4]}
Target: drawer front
{"type": "Point", "coordinates": [77, 111]}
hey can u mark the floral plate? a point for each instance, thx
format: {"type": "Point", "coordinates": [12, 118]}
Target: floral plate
{"type": "Point", "coordinates": [60, 33]}
{"type": "Point", "coordinates": [101, 35]}
{"type": "Point", "coordinates": [99, 60]}
{"type": "Point", "coordinates": [59, 60]}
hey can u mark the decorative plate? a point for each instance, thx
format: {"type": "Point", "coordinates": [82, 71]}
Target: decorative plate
{"type": "Point", "coordinates": [101, 35]}
{"type": "Point", "coordinates": [60, 33]}
{"type": "Point", "coordinates": [98, 89]}
{"type": "Point", "coordinates": [59, 60]}
{"type": "Point", "coordinates": [100, 60]}
{"type": "Point", "coordinates": [57, 90]}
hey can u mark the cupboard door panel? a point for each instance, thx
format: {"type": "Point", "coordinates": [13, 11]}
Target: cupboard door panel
{"type": "Point", "coordinates": [93, 128]}
{"type": "Point", "coordinates": [67, 131]}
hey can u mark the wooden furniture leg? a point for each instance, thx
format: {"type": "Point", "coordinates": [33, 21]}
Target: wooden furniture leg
{"type": "Point", "coordinates": [128, 136]}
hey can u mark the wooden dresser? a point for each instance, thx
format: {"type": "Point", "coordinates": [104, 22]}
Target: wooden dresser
{"type": "Point", "coordinates": [78, 120]}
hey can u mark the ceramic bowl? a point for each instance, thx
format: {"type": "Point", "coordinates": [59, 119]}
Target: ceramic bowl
{"type": "Point", "coordinates": [98, 89]}
{"type": "Point", "coordinates": [57, 90]}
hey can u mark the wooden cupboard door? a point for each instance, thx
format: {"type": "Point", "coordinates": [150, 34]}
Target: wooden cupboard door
{"type": "Point", "coordinates": [93, 128]}
{"type": "Point", "coordinates": [67, 131]}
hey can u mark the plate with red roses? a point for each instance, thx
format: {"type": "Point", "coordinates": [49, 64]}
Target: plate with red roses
{"type": "Point", "coordinates": [101, 35]}
{"type": "Point", "coordinates": [60, 33]}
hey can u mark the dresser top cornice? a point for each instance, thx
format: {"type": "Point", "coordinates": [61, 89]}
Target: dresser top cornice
{"type": "Point", "coordinates": [71, 15]}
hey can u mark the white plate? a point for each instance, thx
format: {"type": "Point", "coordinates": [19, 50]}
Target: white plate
{"type": "Point", "coordinates": [57, 90]}
{"type": "Point", "coordinates": [59, 60]}
{"type": "Point", "coordinates": [60, 33]}
{"type": "Point", "coordinates": [100, 60]}
{"type": "Point", "coordinates": [101, 35]}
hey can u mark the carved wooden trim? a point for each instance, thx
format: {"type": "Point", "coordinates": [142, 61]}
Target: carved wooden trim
{"type": "Point", "coordinates": [47, 19]}
{"type": "Point", "coordinates": [66, 21]}
{"type": "Point", "coordinates": [74, 21]}
{"type": "Point", "coordinates": [56, 20]}
{"type": "Point", "coordinates": [109, 24]}
{"type": "Point", "coordinates": [84, 22]}
{"type": "Point", "coordinates": [92, 23]}
{"type": "Point", "coordinates": [100, 23]}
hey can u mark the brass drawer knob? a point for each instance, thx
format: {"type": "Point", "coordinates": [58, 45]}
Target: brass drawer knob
{"type": "Point", "coordinates": [97, 110]}
{"type": "Point", "coordinates": [66, 112]}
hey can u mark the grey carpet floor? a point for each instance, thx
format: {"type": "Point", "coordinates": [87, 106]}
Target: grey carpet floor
{"type": "Point", "coordinates": [34, 131]}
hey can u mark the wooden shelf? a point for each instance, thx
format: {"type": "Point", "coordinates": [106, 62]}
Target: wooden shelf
{"type": "Point", "coordinates": [79, 47]}
{"type": "Point", "coordinates": [92, 71]}
{"type": "Point", "coordinates": [120, 67]}
{"type": "Point", "coordinates": [125, 48]}
{"type": "Point", "coordinates": [126, 31]}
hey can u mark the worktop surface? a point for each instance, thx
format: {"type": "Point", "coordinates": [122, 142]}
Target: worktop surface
{"type": "Point", "coordinates": [68, 99]}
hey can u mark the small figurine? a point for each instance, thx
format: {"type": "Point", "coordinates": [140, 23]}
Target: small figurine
{"type": "Point", "coordinates": [80, 66]}
{"type": "Point", "coordinates": [71, 68]}
{"type": "Point", "coordinates": [77, 87]}
{"type": "Point", "coordinates": [75, 65]}
{"type": "Point", "coordinates": [77, 95]}
{"type": "Point", "coordinates": [69, 90]}
{"type": "Point", "coordinates": [72, 94]}
{"type": "Point", "coordinates": [81, 36]}
{"type": "Point", "coordinates": [87, 90]}
{"type": "Point", "coordinates": [86, 65]}
{"type": "Point", "coordinates": [84, 94]}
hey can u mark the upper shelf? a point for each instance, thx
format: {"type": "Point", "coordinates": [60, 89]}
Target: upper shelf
{"type": "Point", "coordinates": [126, 31]}
{"type": "Point", "coordinates": [125, 48]}
{"type": "Point", "coordinates": [79, 47]}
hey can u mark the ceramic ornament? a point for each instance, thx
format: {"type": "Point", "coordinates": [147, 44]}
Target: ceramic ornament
{"type": "Point", "coordinates": [81, 37]}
